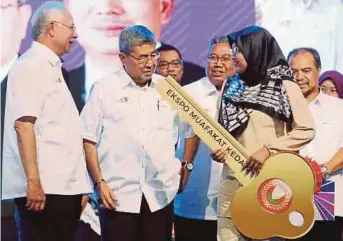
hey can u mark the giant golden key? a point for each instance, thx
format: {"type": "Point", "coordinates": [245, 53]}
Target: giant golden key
{"type": "Point", "coordinates": [279, 201]}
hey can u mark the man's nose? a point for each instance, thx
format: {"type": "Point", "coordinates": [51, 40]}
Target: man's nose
{"type": "Point", "coordinates": [75, 35]}
{"type": "Point", "coordinates": [299, 76]}
{"type": "Point", "coordinates": [110, 7]}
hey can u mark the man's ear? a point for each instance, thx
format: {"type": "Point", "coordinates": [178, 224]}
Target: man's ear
{"type": "Point", "coordinates": [122, 57]}
{"type": "Point", "coordinates": [166, 8]}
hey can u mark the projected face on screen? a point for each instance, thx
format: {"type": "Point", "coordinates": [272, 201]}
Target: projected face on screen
{"type": "Point", "coordinates": [99, 22]}
{"type": "Point", "coordinates": [14, 15]}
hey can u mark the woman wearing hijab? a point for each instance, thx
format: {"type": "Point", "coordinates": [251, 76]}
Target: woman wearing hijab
{"type": "Point", "coordinates": [263, 109]}
{"type": "Point", "coordinates": [331, 83]}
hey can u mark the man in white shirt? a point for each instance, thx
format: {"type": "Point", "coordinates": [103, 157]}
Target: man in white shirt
{"type": "Point", "coordinates": [43, 158]}
{"type": "Point", "coordinates": [196, 207]}
{"type": "Point", "coordinates": [129, 140]}
{"type": "Point", "coordinates": [306, 23]}
{"type": "Point", "coordinates": [327, 146]}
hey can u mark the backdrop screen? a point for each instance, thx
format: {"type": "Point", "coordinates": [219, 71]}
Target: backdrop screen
{"type": "Point", "coordinates": [186, 24]}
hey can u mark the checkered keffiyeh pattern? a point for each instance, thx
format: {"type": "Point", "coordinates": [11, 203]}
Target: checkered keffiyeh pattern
{"type": "Point", "coordinates": [269, 97]}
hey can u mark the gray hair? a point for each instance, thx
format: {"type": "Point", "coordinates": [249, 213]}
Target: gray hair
{"type": "Point", "coordinates": [312, 51]}
{"type": "Point", "coordinates": [216, 40]}
{"type": "Point", "coordinates": [134, 36]}
{"type": "Point", "coordinates": [42, 16]}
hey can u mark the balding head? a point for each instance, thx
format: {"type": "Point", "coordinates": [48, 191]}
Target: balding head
{"type": "Point", "coordinates": [48, 11]}
{"type": "Point", "coordinates": [53, 25]}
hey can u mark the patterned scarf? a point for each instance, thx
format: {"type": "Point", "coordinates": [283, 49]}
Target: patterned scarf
{"type": "Point", "coordinates": [260, 87]}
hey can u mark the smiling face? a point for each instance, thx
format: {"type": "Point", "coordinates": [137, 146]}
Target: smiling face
{"type": "Point", "coordinates": [219, 64]}
{"type": "Point", "coordinates": [306, 73]}
{"type": "Point", "coordinates": [61, 29]}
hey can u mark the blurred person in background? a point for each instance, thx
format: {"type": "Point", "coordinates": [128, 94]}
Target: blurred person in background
{"type": "Point", "coordinates": [170, 62]}
{"type": "Point", "coordinates": [15, 15]}
{"type": "Point", "coordinates": [313, 23]}
{"type": "Point", "coordinates": [331, 82]}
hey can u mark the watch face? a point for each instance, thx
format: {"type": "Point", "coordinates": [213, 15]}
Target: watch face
{"type": "Point", "coordinates": [325, 171]}
{"type": "Point", "coordinates": [189, 166]}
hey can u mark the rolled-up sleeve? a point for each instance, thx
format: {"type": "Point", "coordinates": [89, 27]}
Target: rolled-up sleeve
{"type": "Point", "coordinates": [302, 130]}
{"type": "Point", "coordinates": [92, 115]}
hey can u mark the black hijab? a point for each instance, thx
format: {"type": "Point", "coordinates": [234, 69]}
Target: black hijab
{"type": "Point", "coordinates": [260, 87]}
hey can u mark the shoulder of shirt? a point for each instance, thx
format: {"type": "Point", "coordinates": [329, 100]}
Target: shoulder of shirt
{"type": "Point", "coordinates": [111, 79]}
{"type": "Point", "coordinates": [28, 63]}
{"type": "Point", "coordinates": [195, 85]}
{"type": "Point", "coordinates": [331, 106]}
{"type": "Point", "coordinates": [156, 77]}
{"type": "Point", "coordinates": [332, 101]}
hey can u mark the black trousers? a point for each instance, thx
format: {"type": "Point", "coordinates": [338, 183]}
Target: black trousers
{"type": "Point", "coordinates": [86, 233]}
{"type": "Point", "coordinates": [58, 221]}
{"type": "Point", "coordinates": [325, 231]}
{"type": "Point", "coordinates": [194, 230]}
{"type": "Point", "coordinates": [143, 226]}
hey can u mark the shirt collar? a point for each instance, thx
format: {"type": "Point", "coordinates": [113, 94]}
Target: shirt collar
{"type": "Point", "coordinates": [319, 99]}
{"type": "Point", "coordinates": [127, 81]}
{"type": "Point", "coordinates": [208, 87]}
{"type": "Point", "coordinates": [47, 53]}
{"type": "Point", "coordinates": [5, 68]}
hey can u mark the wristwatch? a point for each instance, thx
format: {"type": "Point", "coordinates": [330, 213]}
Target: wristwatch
{"type": "Point", "coordinates": [324, 171]}
{"type": "Point", "coordinates": [188, 165]}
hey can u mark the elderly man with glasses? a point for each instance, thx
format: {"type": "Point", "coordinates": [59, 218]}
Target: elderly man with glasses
{"type": "Point", "coordinates": [129, 141]}
{"type": "Point", "coordinates": [45, 167]}
{"type": "Point", "coordinates": [196, 207]}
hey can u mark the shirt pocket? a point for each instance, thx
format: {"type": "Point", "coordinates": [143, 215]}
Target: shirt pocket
{"type": "Point", "coordinates": [330, 133]}
{"type": "Point", "coordinates": [119, 111]}
{"type": "Point", "coordinates": [164, 117]}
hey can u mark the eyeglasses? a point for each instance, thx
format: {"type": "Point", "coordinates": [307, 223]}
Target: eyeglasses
{"type": "Point", "coordinates": [144, 58]}
{"type": "Point", "coordinates": [72, 26]}
{"type": "Point", "coordinates": [175, 64]}
{"type": "Point", "coordinates": [18, 3]}
{"type": "Point", "coordinates": [224, 59]}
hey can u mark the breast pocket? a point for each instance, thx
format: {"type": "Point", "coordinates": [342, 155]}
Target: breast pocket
{"type": "Point", "coordinates": [58, 101]}
{"type": "Point", "coordinates": [118, 111]}
{"type": "Point", "coordinates": [165, 117]}
{"type": "Point", "coordinates": [330, 132]}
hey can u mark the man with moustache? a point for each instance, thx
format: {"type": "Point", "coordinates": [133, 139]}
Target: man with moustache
{"type": "Point", "coordinates": [195, 208]}
{"type": "Point", "coordinates": [170, 62]}
{"type": "Point", "coordinates": [45, 167]}
{"type": "Point", "coordinates": [135, 181]}
{"type": "Point", "coordinates": [99, 25]}
{"type": "Point", "coordinates": [327, 146]}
